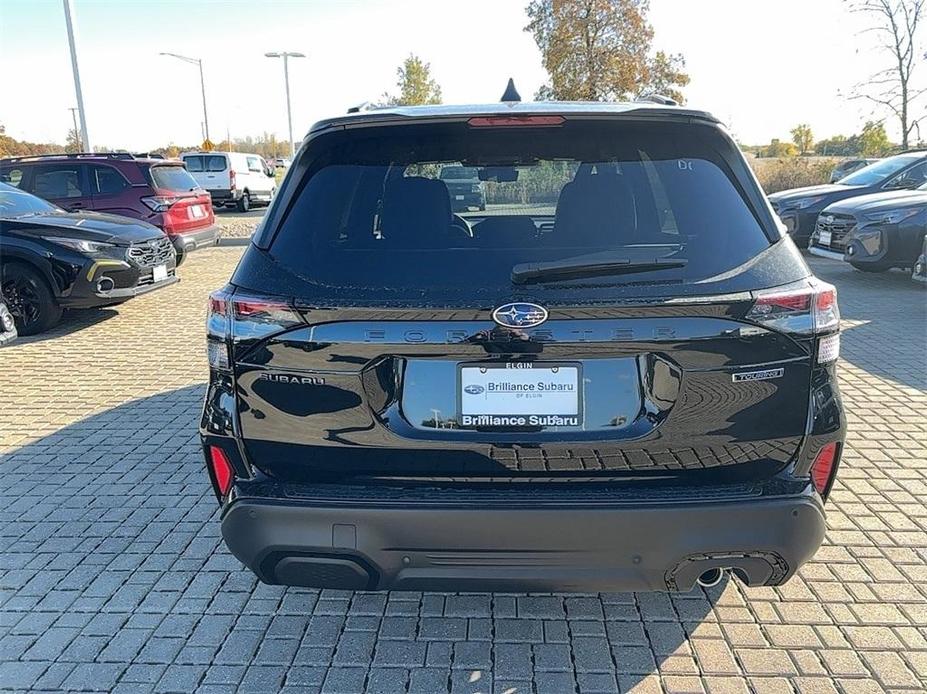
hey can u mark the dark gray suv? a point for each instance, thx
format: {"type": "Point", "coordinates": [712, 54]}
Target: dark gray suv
{"type": "Point", "coordinates": [623, 378]}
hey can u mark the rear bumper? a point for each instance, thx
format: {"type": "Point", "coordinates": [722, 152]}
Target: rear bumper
{"type": "Point", "coordinates": [191, 240]}
{"type": "Point", "coordinates": [602, 546]}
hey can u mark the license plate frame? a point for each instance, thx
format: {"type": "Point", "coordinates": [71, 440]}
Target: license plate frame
{"type": "Point", "coordinates": [538, 408]}
{"type": "Point", "coordinates": [196, 211]}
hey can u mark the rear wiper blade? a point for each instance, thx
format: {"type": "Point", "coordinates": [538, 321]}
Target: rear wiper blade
{"type": "Point", "coordinates": [578, 268]}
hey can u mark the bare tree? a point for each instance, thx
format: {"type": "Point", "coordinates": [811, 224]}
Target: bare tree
{"type": "Point", "coordinates": [896, 23]}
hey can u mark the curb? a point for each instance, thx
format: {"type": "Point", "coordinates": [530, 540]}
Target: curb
{"type": "Point", "coordinates": [233, 241]}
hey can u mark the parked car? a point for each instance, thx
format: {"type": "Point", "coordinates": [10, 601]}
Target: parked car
{"type": "Point", "coordinates": [156, 191]}
{"type": "Point", "coordinates": [232, 178]}
{"type": "Point", "coordinates": [873, 232]}
{"type": "Point", "coordinates": [52, 259]}
{"type": "Point", "coordinates": [7, 325]}
{"type": "Point", "coordinates": [848, 166]}
{"type": "Point", "coordinates": [464, 187]}
{"type": "Point", "coordinates": [799, 207]}
{"type": "Point", "coordinates": [920, 267]}
{"type": "Point", "coordinates": [605, 393]}
{"type": "Point", "coordinates": [281, 162]}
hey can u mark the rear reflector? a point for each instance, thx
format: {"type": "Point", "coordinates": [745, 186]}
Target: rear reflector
{"type": "Point", "coordinates": [829, 348]}
{"type": "Point", "coordinates": [823, 467]}
{"type": "Point", "coordinates": [221, 470]}
{"type": "Point", "coordinates": [515, 121]}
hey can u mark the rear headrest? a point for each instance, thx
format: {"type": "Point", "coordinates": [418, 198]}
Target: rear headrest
{"type": "Point", "coordinates": [416, 211]}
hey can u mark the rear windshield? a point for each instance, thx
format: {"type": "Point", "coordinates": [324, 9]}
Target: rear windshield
{"type": "Point", "coordinates": [175, 178]}
{"type": "Point", "coordinates": [204, 162]}
{"type": "Point", "coordinates": [373, 210]}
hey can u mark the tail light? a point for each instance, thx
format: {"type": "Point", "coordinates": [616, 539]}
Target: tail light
{"type": "Point", "coordinates": [159, 203]}
{"type": "Point", "coordinates": [222, 471]}
{"type": "Point", "coordinates": [822, 470]}
{"type": "Point", "coordinates": [231, 180]}
{"type": "Point", "coordinates": [235, 318]}
{"type": "Point", "coordinates": [811, 310]}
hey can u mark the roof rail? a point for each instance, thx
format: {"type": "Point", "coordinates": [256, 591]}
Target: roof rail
{"type": "Point", "coordinates": [657, 99]}
{"type": "Point", "coordinates": [361, 107]}
{"type": "Point", "coordinates": [70, 155]}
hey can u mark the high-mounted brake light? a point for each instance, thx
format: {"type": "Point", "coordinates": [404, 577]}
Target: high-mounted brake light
{"type": "Point", "coordinates": [221, 470]}
{"type": "Point", "coordinates": [823, 467]}
{"type": "Point", "coordinates": [515, 121]}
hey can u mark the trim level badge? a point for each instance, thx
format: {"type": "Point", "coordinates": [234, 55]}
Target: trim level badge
{"type": "Point", "coordinates": [765, 375]}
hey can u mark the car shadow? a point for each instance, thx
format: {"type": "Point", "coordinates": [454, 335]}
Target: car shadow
{"type": "Point", "coordinates": [111, 532]}
{"type": "Point", "coordinates": [72, 321]}
{"type": "Point", "coordinates": [882, 317]}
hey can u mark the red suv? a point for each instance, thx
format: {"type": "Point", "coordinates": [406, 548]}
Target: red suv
{"type": "Point", "coordinates": [157, 191]}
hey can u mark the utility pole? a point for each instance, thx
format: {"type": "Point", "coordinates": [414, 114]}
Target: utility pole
{"type": "Point", "coordinates": [286, 55]}
{"type": "Point", "coordinates": [80, 144]}
{"type": "Point", "coordinates": [69, 21]}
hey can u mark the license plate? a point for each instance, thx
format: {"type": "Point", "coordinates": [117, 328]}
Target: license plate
{"type": "Point", "coordinates": [159, 272]}
{"type": "Point", "coordinates": [196, 211]}
{"type": "Point", "coordinates": [458, 197]}
{"type": "Point", "coordinates": [519, 394]}
{"type": "Point", "coordinates": [824, 238]}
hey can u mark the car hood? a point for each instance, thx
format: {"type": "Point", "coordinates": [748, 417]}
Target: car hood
{"type": "Point", "coordinates": [92, 226]}
{"type": "Point", "coordinates": [893, 200]}
{"type": "Point", "coordinates": [812, 191]}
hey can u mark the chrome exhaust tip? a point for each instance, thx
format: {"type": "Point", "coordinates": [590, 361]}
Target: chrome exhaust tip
{"type": "Point", "coordinates": [710, 578]}
{"type": "Point", "coordinates": [105, 284]}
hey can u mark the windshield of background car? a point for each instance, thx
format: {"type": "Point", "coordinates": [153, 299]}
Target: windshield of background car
{"type": "Point", "coordinates": [879, 171]}
{"type": "Point", "coordinates": [175, 178]}
{"type": "Point", "coordinates": [371, 212]}
{"type": "Point", "coordinates": [16, 203]}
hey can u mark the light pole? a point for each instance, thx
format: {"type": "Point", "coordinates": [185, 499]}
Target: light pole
{"type": "Point", "coordinates": [286, 55]}
{"type": "Point", "coordinates": [73, 110]}
{"type": "Point", "coordinates": [72, 44]}
{"type": "Point", "coordinates": [199, 63]}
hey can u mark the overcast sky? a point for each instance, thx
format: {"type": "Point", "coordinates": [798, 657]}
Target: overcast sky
{"type": "Point", "coordinates": [762, 67]}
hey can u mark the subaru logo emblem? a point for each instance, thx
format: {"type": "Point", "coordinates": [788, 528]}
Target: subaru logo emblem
{"type": "Point", "coordinates": [474, 389]}
{"type": "Point", "coordinates": [519, 315]}
{"type": "Point", "coordinates": [828, 219]}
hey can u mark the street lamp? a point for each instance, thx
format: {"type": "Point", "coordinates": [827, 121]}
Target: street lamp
{"type": "Point", "coordinates": [286, 55]}
{"type": "Point", "coordinates": [199, 63]}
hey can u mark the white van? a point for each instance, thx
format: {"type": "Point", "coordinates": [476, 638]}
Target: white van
{"type": "Point", "coordinates": [232, 178]}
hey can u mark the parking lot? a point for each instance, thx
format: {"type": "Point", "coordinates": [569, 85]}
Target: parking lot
{"type": "Point", "coordinates": [113, 576]}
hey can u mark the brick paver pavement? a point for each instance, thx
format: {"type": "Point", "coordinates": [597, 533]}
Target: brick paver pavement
{"type": "Point", "coordinates": [113, 578]}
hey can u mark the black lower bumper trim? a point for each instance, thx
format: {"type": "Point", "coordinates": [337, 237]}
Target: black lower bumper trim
{"type": "Point", "coordinates": [613, 548]}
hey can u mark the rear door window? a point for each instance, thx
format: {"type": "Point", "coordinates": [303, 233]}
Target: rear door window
{"type": "Point", "coordinates": [374, 213]}
{"type": "Point", "coordinates": [195, 163]}
{"type": "Point", "coordinates": [215, 163]}
{"type": "Point", "coordinates": [59, 182]}
{"type": "Point", "coordinates": [105, 180]}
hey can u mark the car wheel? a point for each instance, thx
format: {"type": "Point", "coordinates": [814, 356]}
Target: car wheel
{"type": "Point", "coordinates": [244, 203]}
{"type": "Point", "coordinates": [871, 267]}
{"type": "Point", "coordinates": [29, 299]}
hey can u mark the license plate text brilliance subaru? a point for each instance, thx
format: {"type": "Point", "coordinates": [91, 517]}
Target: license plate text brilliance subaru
{"type": "Point", "coordinates": [618, 376]}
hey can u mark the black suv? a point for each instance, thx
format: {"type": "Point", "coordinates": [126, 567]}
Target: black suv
{"type": "Point", "coordinates": [623, 379]}
{"type": "Point", "coordinates": [799, 207]}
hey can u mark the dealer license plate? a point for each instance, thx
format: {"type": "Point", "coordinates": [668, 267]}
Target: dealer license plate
{"type": "Point", "coordinates": [159, 272]}
{"type": "Point", "coordinates": [824, 238]}
{"type": "Point", "coordinates": [519, 394]}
